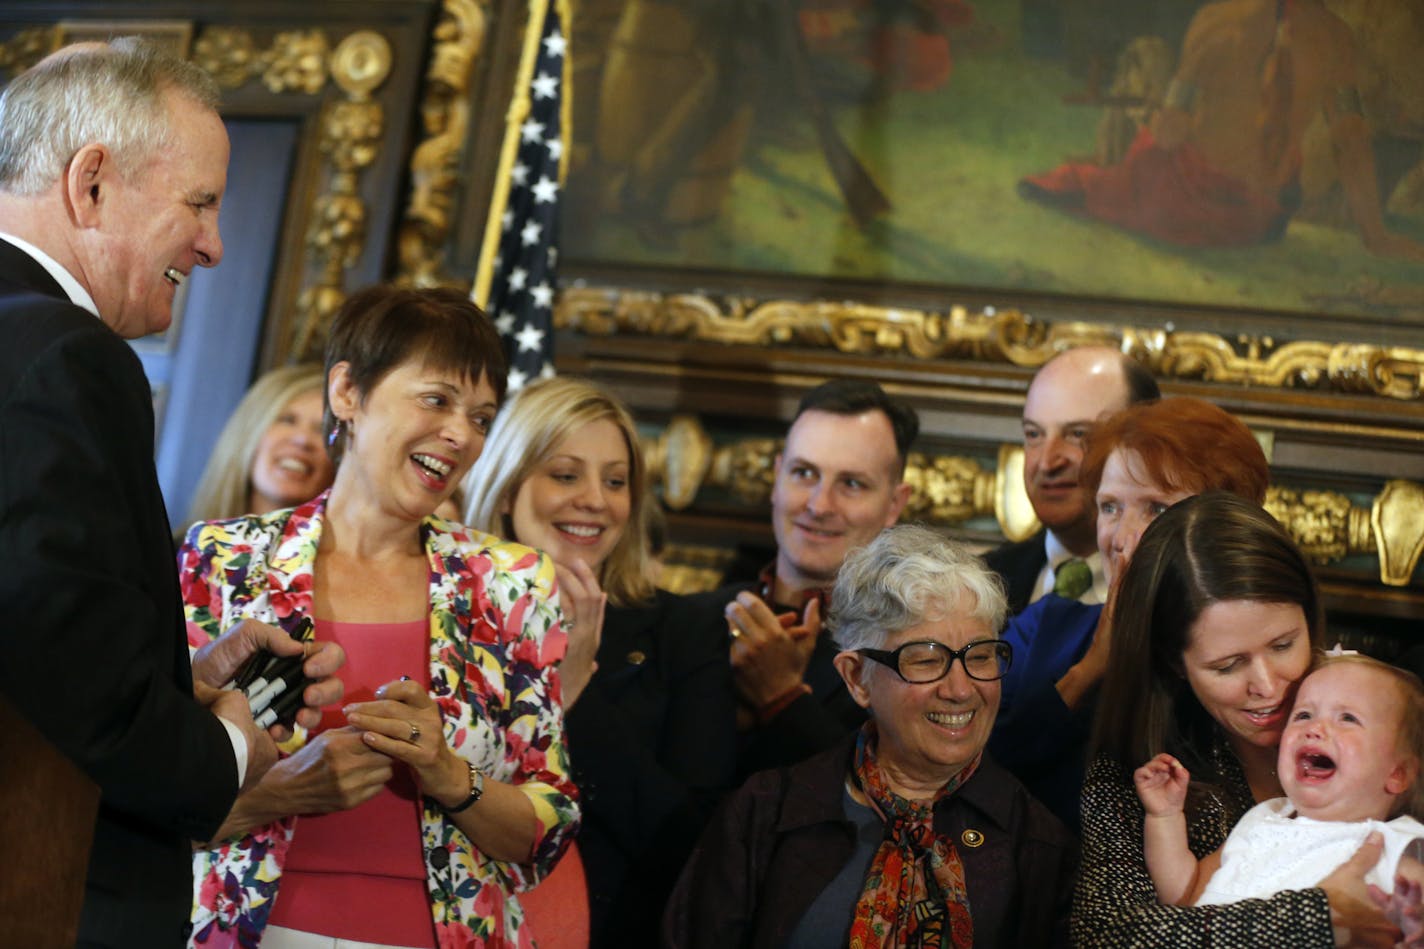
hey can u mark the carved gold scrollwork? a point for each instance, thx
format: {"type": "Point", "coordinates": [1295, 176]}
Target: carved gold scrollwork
{"type": "Point", "coordinates": [688, 569]}
{"type": "Point", "coordinates": [1329, 527]}
{"type": "Point", "coordinates": [1320, 522]}
{"type": "Point", "coordinates": [1016, 516]}
{"type": "Point", "coordinates": [302, 62]}
{"type": "Point", "coordinates": [1397, 517]}
{"type": "Point", "coordinates": [686, 457]}
{"type": "Point", "coordinates": [228, 54]}
{"type": "Point", "coordinates": [296, 61]}
{"type": "Point", "coordinates": [445, 117]}
{"type": "Point", "coordinates": [746, 468]}
{"type": "Point", "coordinates": [26, 48]}
{"type": "Point", "coordinates": [994, 335]}
{"type": "Point", "coordinates": [949, 490]}
{"type": "Point", "coordinates": [350, 140]}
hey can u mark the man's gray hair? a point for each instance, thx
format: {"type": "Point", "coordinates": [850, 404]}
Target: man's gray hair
{"type": "Point", "coordinates": [111, 94]}
{"type": "Point", "coordinates": [906, 576]}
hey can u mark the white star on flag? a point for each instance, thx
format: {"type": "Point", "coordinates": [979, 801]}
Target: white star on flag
{"type": "Point", "coordinates": [529, 337]}
{"type": "Point", "coordinates": [523, 286]}
{"type": "Point", "coordinates": [545, 86]}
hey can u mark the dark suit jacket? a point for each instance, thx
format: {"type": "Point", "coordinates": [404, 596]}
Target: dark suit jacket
{"type": "Point", "coordinates": [1019, 564]}
{"type": "Point", "coordinates": [653, 743]}
{"type": "Point", "coordinates": [811, 723]}
{"type": "Point", "coordinates": [94, 648]}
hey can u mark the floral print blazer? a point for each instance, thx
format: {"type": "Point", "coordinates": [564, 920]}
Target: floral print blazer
{"type": "Point", "coordinates": [496, 635]}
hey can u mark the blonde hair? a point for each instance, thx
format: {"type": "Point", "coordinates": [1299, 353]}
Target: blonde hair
{"type": "Point", "coordinates": [1410, 740]}
{"type": "Point", "coordinates": [528, 429]}
{"type": "Point", "coordinates": [226, 484]}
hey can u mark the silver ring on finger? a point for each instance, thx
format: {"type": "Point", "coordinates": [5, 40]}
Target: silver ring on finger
{"type": "Point", "coordinates": [414, 733]}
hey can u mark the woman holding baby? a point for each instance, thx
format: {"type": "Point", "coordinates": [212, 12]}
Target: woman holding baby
{"type": "Point", "coordinates": [1218, 624]}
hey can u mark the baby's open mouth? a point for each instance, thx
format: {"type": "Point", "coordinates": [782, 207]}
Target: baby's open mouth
{"type": "Point", "coordinates": [1313, 764]}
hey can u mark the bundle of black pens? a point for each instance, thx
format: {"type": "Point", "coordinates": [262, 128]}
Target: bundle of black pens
{"type": "Point", "coordinates": [274, 685]}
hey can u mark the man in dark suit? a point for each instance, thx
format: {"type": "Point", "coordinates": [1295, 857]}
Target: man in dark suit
{"type": "Point", "coordinates": [1067, 396]}
{"type": "Point", "coordinates": [839, 483]}
{"type": "Point", "coordinates": [104, 211]}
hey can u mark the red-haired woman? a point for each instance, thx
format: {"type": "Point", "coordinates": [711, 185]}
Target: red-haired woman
{"type": "Point", "coordinates": [1139, 462]}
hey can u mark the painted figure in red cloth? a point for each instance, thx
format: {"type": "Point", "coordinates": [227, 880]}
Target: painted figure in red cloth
{"type": "Point", "coordinates": [1218, 163]}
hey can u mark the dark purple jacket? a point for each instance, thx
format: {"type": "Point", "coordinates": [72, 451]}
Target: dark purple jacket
{"type": "Point", "coordinates": [781, 839]}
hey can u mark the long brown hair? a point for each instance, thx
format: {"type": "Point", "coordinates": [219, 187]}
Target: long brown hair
{"type": "Point", "coordinates": [1206, 549]}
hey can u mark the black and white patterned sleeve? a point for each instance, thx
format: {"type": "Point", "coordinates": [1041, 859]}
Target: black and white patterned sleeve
{"type": "Point", "coordinates": [1115, 905]}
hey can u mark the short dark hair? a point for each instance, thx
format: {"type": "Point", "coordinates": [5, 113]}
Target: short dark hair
{"type": "Point", "coordinates": [381, 327]}
{"type": "Point", "coordinates": [1141, 384]}
{"type": "Point", "coordinates": [855, 397]}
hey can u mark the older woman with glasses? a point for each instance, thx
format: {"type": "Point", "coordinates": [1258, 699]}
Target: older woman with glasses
{"type": "Point", "coordinates": [907, 834]}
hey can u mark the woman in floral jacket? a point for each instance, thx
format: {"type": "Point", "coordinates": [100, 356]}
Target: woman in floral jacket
{"type": "Point", "coordinates": [442, 787]}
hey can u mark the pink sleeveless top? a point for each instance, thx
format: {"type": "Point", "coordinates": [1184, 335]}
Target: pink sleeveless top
{"type": "Point", "coordinates": [360, 874]}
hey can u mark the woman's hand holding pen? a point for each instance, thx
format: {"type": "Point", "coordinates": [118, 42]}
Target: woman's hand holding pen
{"type": "Point", "coordinates": [404, 723]}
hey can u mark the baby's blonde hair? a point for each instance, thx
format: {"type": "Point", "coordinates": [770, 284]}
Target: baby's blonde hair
{"type": "Point", "coordinates": [1410, 741]}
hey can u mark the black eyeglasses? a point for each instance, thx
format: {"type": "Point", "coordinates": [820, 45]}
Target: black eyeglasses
{"type": "Point", "coordinates": [929, 661]}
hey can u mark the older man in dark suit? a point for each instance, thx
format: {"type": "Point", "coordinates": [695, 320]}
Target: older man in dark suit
{"type": "Point", "coordinates": [113, 161]}
{"type": "Point", "coordinates": [1065, 399]}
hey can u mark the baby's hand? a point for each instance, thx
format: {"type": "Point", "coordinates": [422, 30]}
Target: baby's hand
{"type": "Point", "coordinates": [1162, 786]}
{"type": "Point", "coordinates": [1404, 908]}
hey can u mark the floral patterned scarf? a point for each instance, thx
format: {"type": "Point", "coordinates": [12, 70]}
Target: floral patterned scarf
{"type": "Point", "coordinates": [914, 892]}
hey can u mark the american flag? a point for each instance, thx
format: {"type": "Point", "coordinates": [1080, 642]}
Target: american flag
{"type": "Point", "coordinates": [521, 276]}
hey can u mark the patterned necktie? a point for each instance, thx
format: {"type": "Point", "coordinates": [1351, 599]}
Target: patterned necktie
{"type": "Point", "coordinates": [1072, 578]}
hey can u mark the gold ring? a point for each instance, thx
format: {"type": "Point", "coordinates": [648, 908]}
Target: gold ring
{"type": "Point", "coordinates": [414, 733]}
{"type": "Point", "coordinates": [736, 632]}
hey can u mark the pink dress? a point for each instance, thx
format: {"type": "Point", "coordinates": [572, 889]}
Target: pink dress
{"type": "Point", "coordinates": [359, 874]}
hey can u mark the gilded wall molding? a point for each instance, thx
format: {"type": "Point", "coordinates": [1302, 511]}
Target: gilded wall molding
{"type": "Point", "coordinates": [303, 62]}
{"type": "Point", "coordinates": [948, 490]}
{"type": "Point", "coordinates": [26, 48]}
{"type": "Point", "coordinates": [350, 140]}
{"type": "Point", "coordinates": [456, 43]}
{"type": "Point", "coordinates": [993, 335]}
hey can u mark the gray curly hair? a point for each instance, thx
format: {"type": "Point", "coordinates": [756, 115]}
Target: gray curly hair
{"type": "Point", "coordinates": [906, 576]}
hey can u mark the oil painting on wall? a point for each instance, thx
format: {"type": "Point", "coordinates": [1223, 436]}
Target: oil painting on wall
{"type": "Point", "coordinates": [1243, 155]}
